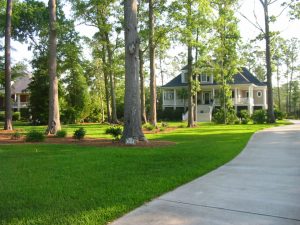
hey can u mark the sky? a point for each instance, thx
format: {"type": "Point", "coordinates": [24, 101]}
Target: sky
{"type": "Point", "coordinates": [287, 28]}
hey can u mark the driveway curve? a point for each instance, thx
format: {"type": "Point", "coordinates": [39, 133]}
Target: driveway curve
{"type": "Point", "coordinates": [261, 186]}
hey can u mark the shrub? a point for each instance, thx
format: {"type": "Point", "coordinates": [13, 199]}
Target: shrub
{"type": "Point", "coordinates": [25, 114]}
{"type": "Point", "coordinates": [164, 124]}
{"type": "Point", "coordinates": [115, 131]}
{"type": "Point", "coordinates": [162, 129]}
{"type": "Point", "coordinates": [244, 116]}
{"type": "Point", "coordinates": [16, 135]}
{"type": "Point", "coordinates": [149, 126]}
{"type": "Point", "coordinates": [279, 115]}
{"type": "Point", "coordinates": [259, 116]}
{"type": "Point", "coordinates": [16, 116]}
{"type": "Point", "coordinates": [61, 134]}
{"type": "Point", "coordinates": [2, 115]}
{"type": "Point", "coordinates": [79, 133]}
{"type": "Point", "coordinates": [218, 116]}
{"type": "Point", "coordinates": [35, 136]}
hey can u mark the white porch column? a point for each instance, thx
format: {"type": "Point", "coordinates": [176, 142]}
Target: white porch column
{"type": "Point", "coordinates": [265, 98]}
{"type": "Point", "coordinates": [175, 99]}
{"type": "Point", "coordinates": [250, 99]}
{"type": "Point", "coordinates": [235, 99]}
{"type": "Point", "coordinates": [19, 102]}
{"type": "Point", "coordinates": [163, 100]}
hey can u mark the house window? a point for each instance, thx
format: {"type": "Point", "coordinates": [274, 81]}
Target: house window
{"type": "Point", "coordinates": [259, 94]}
{"type": "Point", "coordinates": [205, 78]}
{"type": "Point", "coordinates": [169, 95]}
{"type": "Point", "coordinates": [232, 94]}
{"type": "Point", "coordinates": [184, 76]}
{"type": "Point", "coordinates": [247, 94]}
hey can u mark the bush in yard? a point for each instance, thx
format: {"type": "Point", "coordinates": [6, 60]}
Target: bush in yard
{"type": "Point", "coordinates": [244, 116]}
{"type": "Point", "coordinates": [16, 116]}
{"type": "Point", "coordinates": [115, 131]}
{"type": "Point", "coordinates": [2, 116]}
{"type": "Point", "coordinates": [79, 133]}
{"type": "Point", "coordinates": [16, 135]}
{"type": "Point", "coordinates": [164, 124]}
{"type": "Point", "coordinates": [218, 116]}
{"type": "Point", "coordinates": [279, 115]}
{"type": "Point", "coordinates": [35, 136]}
{"type": "Point", "coordinates": [149, 126]}
{"type": "Point", "coordinates": [259, 116]}
{"type": "Point", "coordinates": [61, 134]}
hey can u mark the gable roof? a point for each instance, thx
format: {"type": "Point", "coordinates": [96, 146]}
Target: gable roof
{"type": "Point", "coordinates": [243, 77]}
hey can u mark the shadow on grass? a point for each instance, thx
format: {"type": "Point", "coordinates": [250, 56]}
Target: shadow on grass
{"type": "Point", "coordinates": [63, 184]}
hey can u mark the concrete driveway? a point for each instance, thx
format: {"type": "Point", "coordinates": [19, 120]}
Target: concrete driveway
{"type": "Point", "coordinates": [259, 187]}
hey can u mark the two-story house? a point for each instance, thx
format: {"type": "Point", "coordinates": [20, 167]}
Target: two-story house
{"type": "Point", "coordinates": [247, 93]}
{"type": "Point", "coordinates": [19, 93]}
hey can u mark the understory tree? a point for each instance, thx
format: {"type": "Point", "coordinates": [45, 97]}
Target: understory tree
{"type": "Point", "coordinates": [225, 62]}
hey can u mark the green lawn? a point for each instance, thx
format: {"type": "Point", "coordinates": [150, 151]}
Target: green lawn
{"type": "Point", "coordinates": [69, 184]}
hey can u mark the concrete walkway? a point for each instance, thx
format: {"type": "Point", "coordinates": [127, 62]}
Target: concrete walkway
{"type": "Point", "coordinates": [259, 187]}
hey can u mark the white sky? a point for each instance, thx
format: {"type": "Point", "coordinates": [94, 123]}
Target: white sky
{"type": "Point", "coordinates": [287, 28]}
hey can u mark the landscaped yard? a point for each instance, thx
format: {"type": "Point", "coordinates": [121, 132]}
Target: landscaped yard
{"type": "Point", "coordinates": [70, 184]}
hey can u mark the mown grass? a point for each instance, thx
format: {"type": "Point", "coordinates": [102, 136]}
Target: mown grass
{"type": "Point", "coordinates": [69, 184]}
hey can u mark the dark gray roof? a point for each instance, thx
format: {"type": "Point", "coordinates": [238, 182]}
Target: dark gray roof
{"type": "Point", "coordinates": [243, 77]}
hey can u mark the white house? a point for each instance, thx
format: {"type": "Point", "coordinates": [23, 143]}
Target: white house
{"type": "Point", "coordinates": [19, 93]}
{"type": "Point", "coordinates": [247, 93]}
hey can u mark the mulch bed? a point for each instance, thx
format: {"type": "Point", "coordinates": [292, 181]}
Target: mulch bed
{"type": "Point", "coordinates": [5, 138]}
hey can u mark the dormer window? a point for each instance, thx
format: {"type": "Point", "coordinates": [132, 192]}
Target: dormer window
{"type": "Point", "coordinates": [184, 77]}
{"type": "Point", "coordinates": [205, 78]}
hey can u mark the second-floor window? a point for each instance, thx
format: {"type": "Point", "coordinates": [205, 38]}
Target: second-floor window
{"type": "Point", "coordinates": [169, 95]}
{"type": "Point", "coordinates": [205, 78]}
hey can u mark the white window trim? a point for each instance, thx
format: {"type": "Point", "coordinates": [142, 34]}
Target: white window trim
{"type": "Point", "coordinates": [259, 95]}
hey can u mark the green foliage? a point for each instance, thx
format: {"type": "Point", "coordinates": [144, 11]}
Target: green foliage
{"type": "Point", "coordinates": [169, 114]}
{"type": "Point", "coordinates": [164, 124]}
{"type": "Point", "coordinates": [16, 135]}
{"type": "Point", "coordinates": [259, 116]}
{"type": "Point", "coordinates": [16, 116]}
{"type": "Point", "coordinates": [35, 136]}
{"type": "Point", "coordinates": [2, 115]}
{"type": "Point", "coordinates": [61, 134]}
{"type": "Point", "coordinates": [115, 131]}
{"type": "Point", "coordinates": [79, 133]}
{"type": "Point", "coordinates": [244, 116]}
{"type": "Point", "coordinates": [279, 115]}
{"type": "Point", "coordinates": [219, 116]}
{"type": "Point", "coordinates": [25, 114]}
{"type": "Point", "coordinates": [148, 127]}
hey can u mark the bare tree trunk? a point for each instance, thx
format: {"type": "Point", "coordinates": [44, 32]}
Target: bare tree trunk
{"type": "Point", "coordinates": [8, 109]}
{"type": "Point", "coordinates": [114, 118]}
{"type": "Point", "coordinates": [161, 71]}
{"type": "Point", "coordinates": [54, 118]}
{"type": "Point", "coordinates": [271, 117]}
{"type": "Point", "coordinates": [108, 109]}
{"type": "Point", "coordinates": [278, 87]}
{"type": "Point", "coordinates": [153, 116]}
{"type": "Point", "coordinates": [290, 88]}
{"type": "Point", "coordinates": [191, 122]}
{"type": "Point", "coordinates": [142, 87]}
{"type": "Point", "coordinates": [132, 108]}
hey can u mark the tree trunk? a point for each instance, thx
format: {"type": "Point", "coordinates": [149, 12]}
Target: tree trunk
{"type": "Point", "coordinates": [8, 109]}
{"type": "Point", "coordinates": [278, 87]}
{"type": "Point", "coordinates": [161, 70]}
{"type": "Point", "coordinates": [114, 118]}
{"type": "Point", "coordinates": [142, 87]}
{"type": "Point", "coordinates": [271, 117]}
{"type": "Point", "coordinates": [290, 87]}
{"type": "Point", "coordinates": [190, 93]}
{"type": "Point", "coordinates": [108, 109]}
{"type": "Point", "coordinates": [132, 104]}
{"type": "Point", "coordinates": [54, 118]}
{"type": "Point", "coordinates": [153, 116]}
